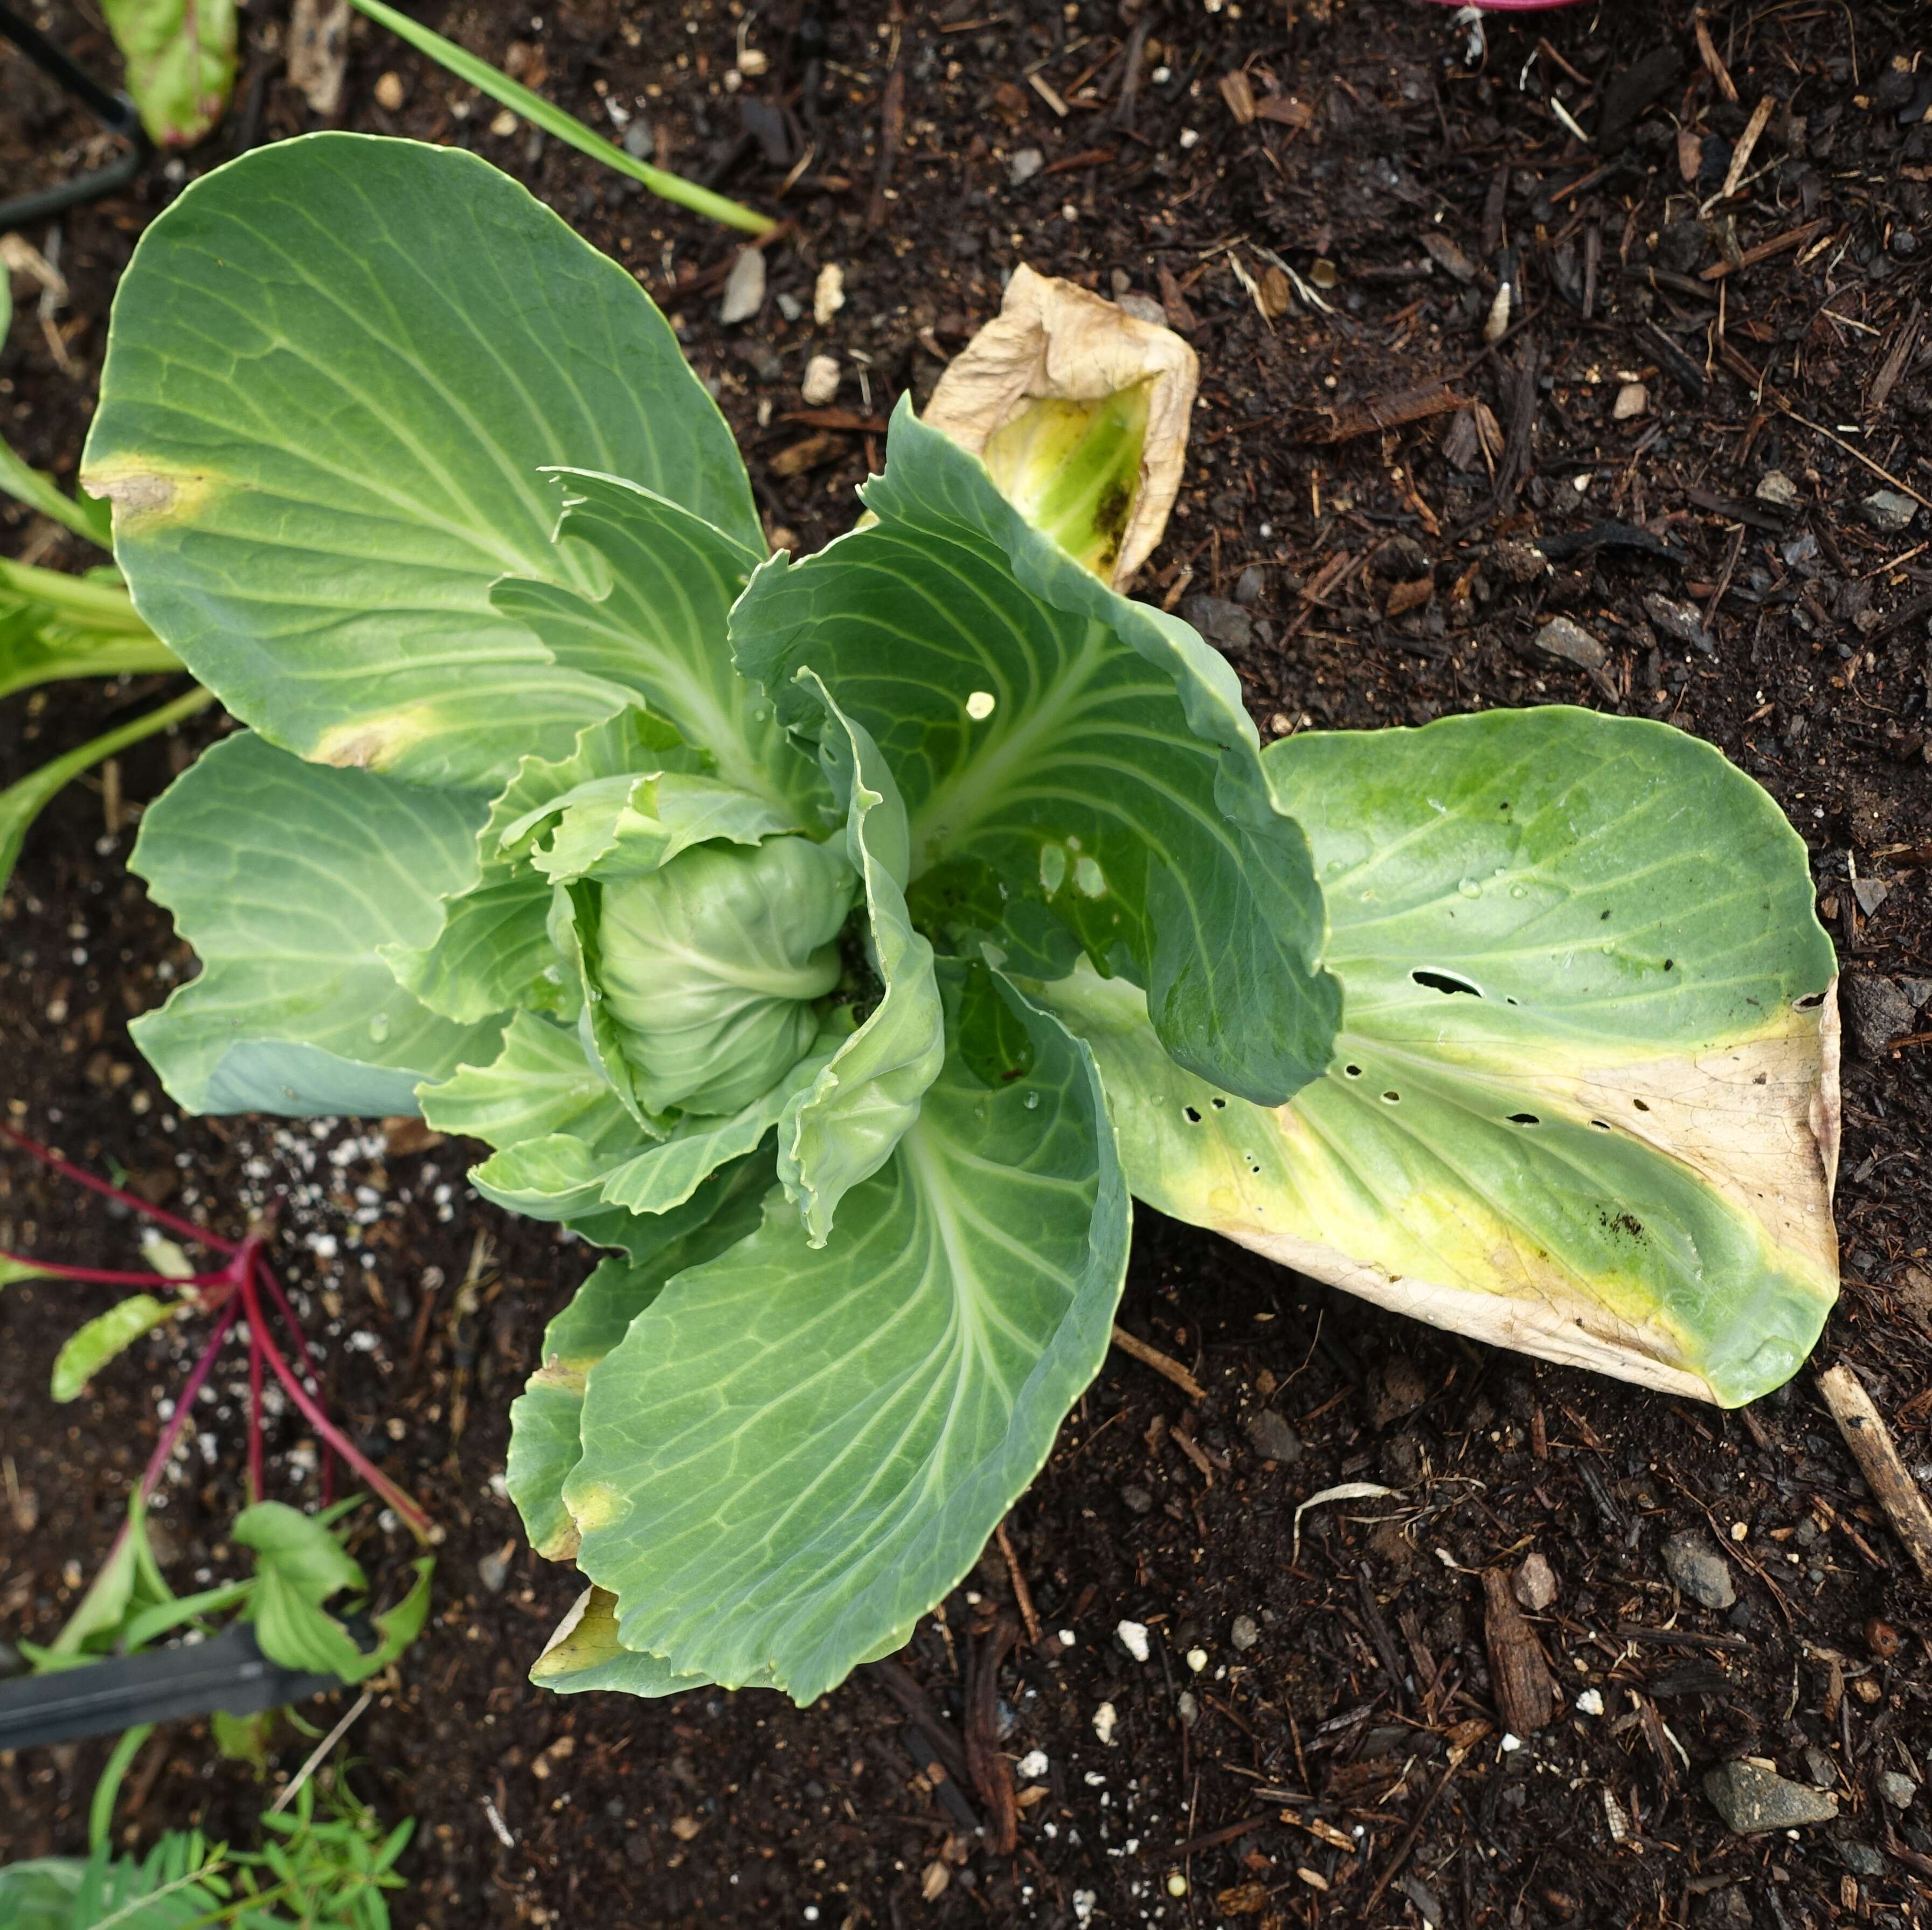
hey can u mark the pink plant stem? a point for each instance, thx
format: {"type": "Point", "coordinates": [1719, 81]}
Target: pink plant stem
{"type": "Point", "coordinates": [266, 1274]}
{"type": "Point", "coordinates": [101, 1276]}
{"type": "Point", "coordinates": [184, 1401]}
{"type": "Point", "coordinates": [256, 1487]}
{"type": "Point", "coordinates": [418, 1521]}
{"type": "Point", "coordinates": [68, 1170]}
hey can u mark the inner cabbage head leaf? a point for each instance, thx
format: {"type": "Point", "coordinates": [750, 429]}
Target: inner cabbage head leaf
{"type": "Point", "coordinates": [711, 965]}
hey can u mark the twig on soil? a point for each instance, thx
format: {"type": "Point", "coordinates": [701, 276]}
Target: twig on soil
{"type": "Point", "coordinates": [1408, 1841]}
{"type": "Point", "coordinates": [1153, 1357]}
{"type": "Point", "coordinates": [1022, 1594]}
{"type": "Point", "coordinates": [1870, 1440]}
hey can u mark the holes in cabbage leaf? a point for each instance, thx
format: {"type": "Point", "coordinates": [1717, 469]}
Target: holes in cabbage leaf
{"type": "Point", "coordinates": [1446, 981]}
{"type": "Point", "coordinates": [1602, 1125]}
{"type": "Point", "coordinates": [1193, 1118]}
{"type": "Point", "coordinates": [1524, 1119]}
{"type": "Point", "coordinates": [1809, 1003]}
{"type": "Point", "coordinates": [1394, 1098]}
{"type": "Point", "coordinates": [1353, 1071]}
{"type": "Point", "coordinates": [1640, 1105]}
{"type": "Point", "coordinates": [1219, 1105]}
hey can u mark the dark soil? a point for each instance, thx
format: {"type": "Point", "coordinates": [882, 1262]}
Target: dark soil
{"type": "Point", "coordinates": [1348, 1765]}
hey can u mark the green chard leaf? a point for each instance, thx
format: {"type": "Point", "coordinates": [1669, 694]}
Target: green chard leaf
{"type": "Point", "coordinates": [843, 1128]}
{"type": "Point", "coordinates": [1079, 769]}
{"type": "Point", "coordinates": [545, 1418]}
{"type": "Point", "coordinates": [337, 367]}
{"type": "Point", "coordinates": [1584, 1100]}
{"type": "Point", "coordinates": [793, 1451]}
{"type": "Point", "coordinates": [180, 56]}
{"type": "Point", "coordinates": [290, 879]}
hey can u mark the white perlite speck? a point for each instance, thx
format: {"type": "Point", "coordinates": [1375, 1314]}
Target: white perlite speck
{"type": "Point", "coordinates": [1134, 1639]}
{"type": "Point", "coordinates": [1033, 1764]}
{"type": "Point", "coordinates": [1104, 1717]}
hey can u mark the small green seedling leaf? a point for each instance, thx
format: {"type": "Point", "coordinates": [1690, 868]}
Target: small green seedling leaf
{"type": "Point", "coordinates": [91, 1347]}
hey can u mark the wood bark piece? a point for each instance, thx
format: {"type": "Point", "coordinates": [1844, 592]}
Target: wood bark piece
{"type": "Point", "coordinates": [1870, 1440]}
{"type": "Point", "coordinates": [1526, 1695]}
{"type": "Point", "coordinates": [1390, 411]}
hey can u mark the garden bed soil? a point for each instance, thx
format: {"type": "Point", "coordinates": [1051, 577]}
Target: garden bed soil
{"type": "Point", "coordinates": [1341, 1757]}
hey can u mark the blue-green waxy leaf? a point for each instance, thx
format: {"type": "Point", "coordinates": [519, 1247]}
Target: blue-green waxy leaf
{"type": "Point", "coordinates": [544, 1442]}
{"type": "Point", "coordinates": [539, 1084]}
{"type": "Point", "coordinates": [90, 1348]}
{"type": "Point", "coordinates": [842, 1128]}
{"type": "Point", "coordinates": [337, 367]}
{"type": "Point", "coordinates": [289, 879]}
{"type": "Point", "coordinates": [1079, 769]}
{"type": "Point", "coordinates": [1584, 1099]}
{"type": "Point", "coordinates": [646, 608]}
{"type": "Point", "coordinates": [794, 1451]}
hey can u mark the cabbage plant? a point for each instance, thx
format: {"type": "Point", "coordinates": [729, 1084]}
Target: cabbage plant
{"type": "Point", "coordinates": [841, 942]}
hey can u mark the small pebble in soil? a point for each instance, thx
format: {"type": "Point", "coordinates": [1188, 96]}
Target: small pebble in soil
{"type": "Point", "coordinates": [1033, 1765]}
{"type": "Point", "coordinates": [1136, 1500]}
{"type": "Point", "coordinates": [1888, 512]}
{"type": "Point", "coordinates": [389, 94]}
{"type": "Point", "coordinates": [1197, 1659]}
{"type": "Point", "coordinates": [494, 1570]}
{"type": "Point", "coordinates": [1067, 1638]}
{"type": "Point", "coordinates": [1224, 624]}
{"type": "Point", "coordinates": [1134, 1639]}
{"type": "Point", "coordinates": [1753, 1801]}
{"type": "Point", "coordinates": [1897, 1789]}
{"type": "Point", "coordinates": [1187, 1708]}
{"type": "Point", "coordinates": [1697, 1567]}
{"type": "Point", "coordinates": [1535, 1583]}
{"type": "Point", "coordinates": [1633, 398]}
{"type": "Point", "coordinates": [1245, 1633]}
{"type": "Point", "coordinates": [744, 287]}
{"type": "Point", "coordinates": [1024, 166]}
{"type": "Point", "coordinates": [821, 381]}
{"type": "Point", "coordinates": [1861, 1859]}
{"type": "Point", "coordinates": [1177, 1883]}
{"type": "Point", "coordinates": [1877, 1010]}
{"type": "Point", "coordinates": [1105, 1717]}
{"type": "Point", "coordinates": [1777, 489]}
{"type": "Point", "coordinates": [1272, 1438]}
{"type": "Point", "coordinates": [828, 294]}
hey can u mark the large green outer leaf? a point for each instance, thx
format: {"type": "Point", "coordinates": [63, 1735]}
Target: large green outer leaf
{"type": "Point", "coordinates": [289, 878]}
{"type": "Point", "coordinates": [180, 63]}
{"type": "Point", "coordinates": [544, 1440]}
{"type": "Point", "coordinates": [1117, 779]}
{"type": "Point", "coordinates": [336, 368]}
{"type": "Point", "coordinates": [1616, 1147]}
{"type": "Point", "coordinates": [794, 1452]}
{"type": "Point", "coordinates": [843, 1128]}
